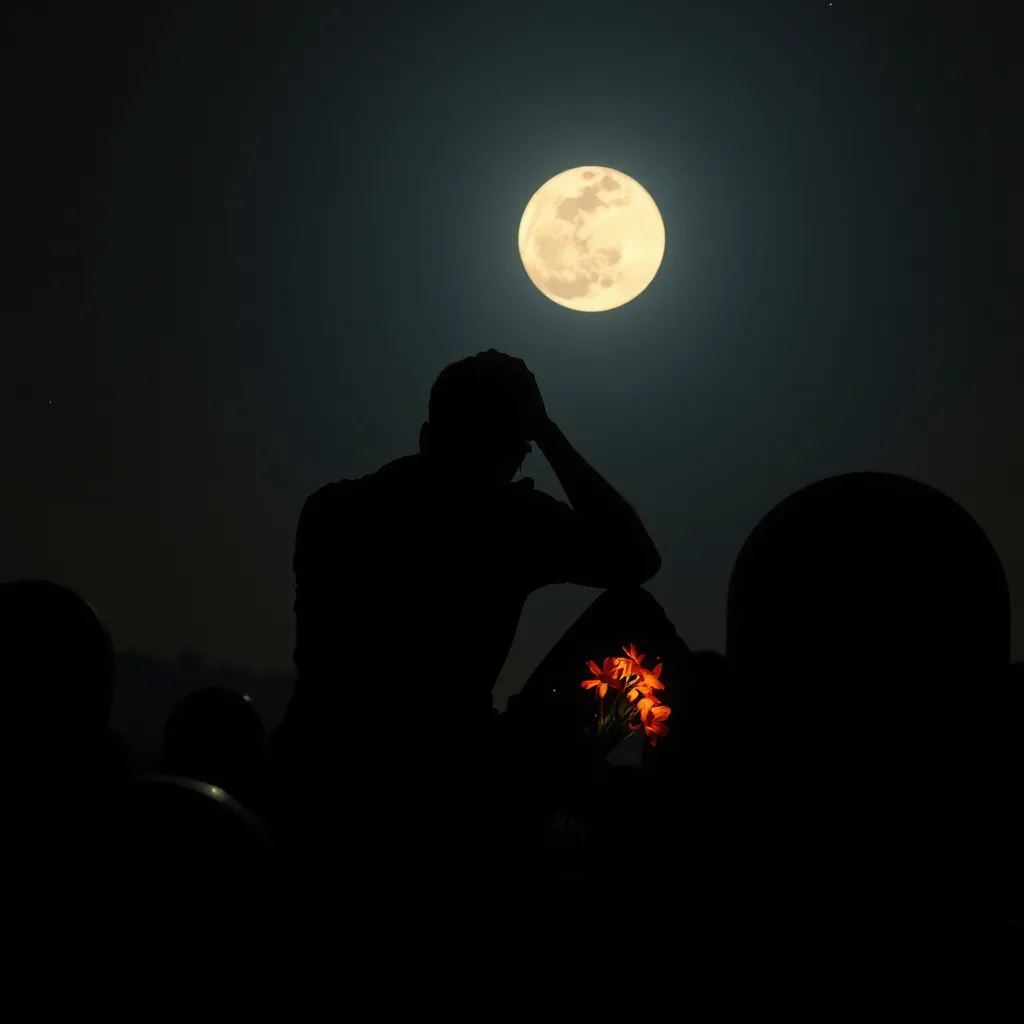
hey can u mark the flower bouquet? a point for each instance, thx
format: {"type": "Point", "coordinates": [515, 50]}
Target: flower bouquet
{"type": "Point", "coordinates": [635, 703]}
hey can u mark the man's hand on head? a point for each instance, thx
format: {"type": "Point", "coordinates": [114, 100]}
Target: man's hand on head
{"type": "Point", "coordinates": [524, 392]}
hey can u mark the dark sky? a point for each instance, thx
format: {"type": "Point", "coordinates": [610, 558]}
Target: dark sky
{"type": "Point", "coordinates": [243, 238]}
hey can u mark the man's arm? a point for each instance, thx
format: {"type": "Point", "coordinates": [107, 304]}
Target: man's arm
{"type": "Point", "coordinates": [618, 528]}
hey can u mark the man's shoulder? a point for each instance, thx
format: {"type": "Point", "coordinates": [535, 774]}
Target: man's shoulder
{"type": "Point", "coordinates": [334, 491]}
{"type": "Point", "coordinates": [320, 505]}
{"type": "Point", "coordinates": [351, 488]}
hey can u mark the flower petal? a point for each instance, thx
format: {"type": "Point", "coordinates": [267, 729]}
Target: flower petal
{"type": "Point", "coordinates": [646, 705]}
{"type": "Point", "coordinates": [651, 679]}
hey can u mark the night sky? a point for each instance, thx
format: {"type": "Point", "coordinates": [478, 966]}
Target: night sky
{"type": "Point", "coordinates": [242, 239]}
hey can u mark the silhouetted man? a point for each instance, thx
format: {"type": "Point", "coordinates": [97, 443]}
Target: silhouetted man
{"type": "Point", "coordinates": [410, 581]}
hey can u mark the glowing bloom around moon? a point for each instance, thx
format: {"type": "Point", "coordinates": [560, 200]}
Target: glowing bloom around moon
{"type": "Point", "coordinates": [591, 239]}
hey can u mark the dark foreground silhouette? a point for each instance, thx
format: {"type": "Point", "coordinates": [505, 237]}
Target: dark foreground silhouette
{"type": "Point", "coordinates": [201, 909]}
{"type": "Point", "coordinates": [869, 638]}
{"type": "Point", "coordinates": [216, 735]}
{"type": "Point", "coordinates": [827, 826]}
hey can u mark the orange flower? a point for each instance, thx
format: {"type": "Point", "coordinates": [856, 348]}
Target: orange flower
{"type": "Point", "coordinates": [653, 716]}
{"type": "Point", "coordinates": [649, 681]}
{"type": "Point", "coordinates": [626, 668]}
{"type": "Point", "coordinates": [605, 677]}
{"type": "Point", "coordinates": [630, 652]}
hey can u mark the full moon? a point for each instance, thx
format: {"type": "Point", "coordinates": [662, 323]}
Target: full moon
{"type": "Point", "coordinates": [591, 239]}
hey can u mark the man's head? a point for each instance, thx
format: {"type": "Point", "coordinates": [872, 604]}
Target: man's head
{"type": "Point", "coordinates": [477, 416]}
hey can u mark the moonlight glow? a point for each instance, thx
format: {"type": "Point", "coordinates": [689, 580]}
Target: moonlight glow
{"type": "Point", "coordinates": [591, 239]}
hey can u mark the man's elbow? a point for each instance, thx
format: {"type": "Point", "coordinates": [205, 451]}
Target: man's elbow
{"type": "Point", "coordinates": [651, 566]}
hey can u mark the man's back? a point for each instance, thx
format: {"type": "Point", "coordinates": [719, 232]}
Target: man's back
{"type": "Point", "coordinates": [409, 587]}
